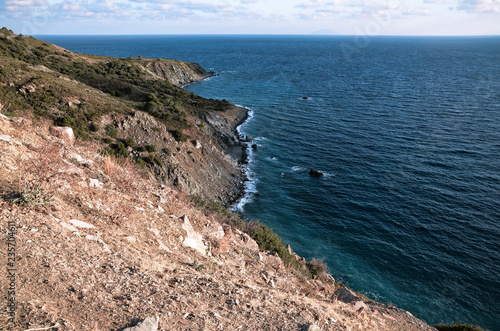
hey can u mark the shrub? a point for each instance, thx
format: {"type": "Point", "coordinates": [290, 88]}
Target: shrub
{"type": "Point", "coordinates": [141, 163]}
{"type": "Point", "coordinates": [108, 140]}
{"type": "Point", "coordinates": [158, 160]}
{"type": "Point", "coordinates": [155, 129]}
{"type": "Point", "coordinates": [93, 127]}
{"type": "Point", "coordinates": [120, 149]}
{"type": "Point", "coordinates": [167, 151]}
{"type": "Point", "coordinates": [111, 131]}
{"type": "Point", "coordinates": [316, 267]}
{"type": "Point", "coordinates": [179, 135]}
{"type": "Point", "coordinates": [151, 148]}
{"type": "Point", "coordinates": [109, 167]}
{"type": "Point", "coordinates": [130, 142]}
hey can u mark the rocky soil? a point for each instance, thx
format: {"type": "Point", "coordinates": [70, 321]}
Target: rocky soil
{"type": "Point", "coordinates": [100, 247]}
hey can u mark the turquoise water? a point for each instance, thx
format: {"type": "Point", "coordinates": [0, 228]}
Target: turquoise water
{"type": "Point", "coordinates": [407, 132]}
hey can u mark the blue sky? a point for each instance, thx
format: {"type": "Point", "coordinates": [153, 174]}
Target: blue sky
{"type": "Point", "coordinates": [348, 17]}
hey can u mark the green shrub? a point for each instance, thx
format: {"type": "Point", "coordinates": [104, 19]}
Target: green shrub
{"type": "Point", "coordinates": [316, 268]}
{"type": "Point", "coordinates": [94, 127]}
{"type": "Point", "coordinates": [108, 140]}
{"type": "Point", "coordinates": [120, 149]}
{"type": "Point", "coordinates": [155, 129]}
{"type": "Point", "coordinates": [141, 163]}
{"type": "Point", "coordinates": [158, 160]}
{"type": "Point", "coordinates": [167, 151]}
{"type": "Point", "coordinates": [111, 131]}
{"type": "Point", "coordinates": [130, 142]}
{"type": "Point", "coordinates": [458, 327]}
{"type": "Point", "coordinates": [179, 135]}
{"type": "Point", "coordinates": [149, 159]}
{"type": "Point", "coordinates": [151, 148]}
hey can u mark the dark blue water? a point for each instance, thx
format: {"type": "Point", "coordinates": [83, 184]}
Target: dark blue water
{"type": "Point", "coordinates": [407, 132]}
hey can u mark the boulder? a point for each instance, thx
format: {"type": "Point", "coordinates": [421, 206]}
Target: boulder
{"type": "Point", "coordinates": [345, 295]}
{"type": "Point", "coordinates": [193, 239]}
{"type": "Point", "coordinates": [316, 173]}
{"type": "Point", "coordinates": [149, 324]}
{"type": "Point", "coordinates": [81, 225]}
{"type": "Point", "coordinates": [63, 132]}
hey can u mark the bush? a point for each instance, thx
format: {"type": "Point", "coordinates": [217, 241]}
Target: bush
{"type": "Point", "coordinates": [151, 148]}
{"type": "Point", "coordinates": [316, 267]}
{"type": "Point", "coordinates": [120, 149]}
{"type": "Point", "coordinates": [111, 131]}
{"type": "Point", "coordinates": [179, 135]}
{"type": "Point", "coordinates": [155, 129]}
{"type": "Point", "coordinates": [141, 163]}
{"type": "Point", "coordinates": [130, 142]}
{"type": "Point", "coordinates": [108, 140]}
{"type": "Point", "coordinates": [93, 127]}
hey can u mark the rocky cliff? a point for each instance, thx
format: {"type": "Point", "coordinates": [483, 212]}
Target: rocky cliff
{"type": "Point", "coordinates": [177, 72]}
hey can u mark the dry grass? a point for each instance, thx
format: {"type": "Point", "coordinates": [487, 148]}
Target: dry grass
{"type": "Point", "coordinates": [109, 166]}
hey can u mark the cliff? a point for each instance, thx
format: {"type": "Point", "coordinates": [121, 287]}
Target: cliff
{"type": "Point", "coordinates": [101, 232]}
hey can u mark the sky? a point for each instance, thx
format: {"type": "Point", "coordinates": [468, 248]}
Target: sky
{"type": "Point", "coordinates": [342, 17]}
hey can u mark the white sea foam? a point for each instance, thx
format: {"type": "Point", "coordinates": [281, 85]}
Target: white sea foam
{"type": "Point", "coordinates": [250, 186]}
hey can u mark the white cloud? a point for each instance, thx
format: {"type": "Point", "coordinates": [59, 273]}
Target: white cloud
{"type": "Point", "coordinates": [479, 6]}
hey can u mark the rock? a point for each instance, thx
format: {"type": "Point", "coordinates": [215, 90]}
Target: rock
{"type": "Point", "coordinates": [63, 132]}
{"type": "Point", "coordinates": [197, 144]}
{"type": "Point", "coordinates": [313, 327]}
{"type": "Point", "coordinates": [305, 98]}
{"type": "Point", "coordinates": [345, 295]}
{"type": "Point", "coordinates": [4, 137]}
{"type": "Point", "coordinates": [289, 249]}
{"type": "Point", "coordinates": [81, 225]}
{"type": "Point", "coordinates": [95, 183]}
{"type": "Point", "coordinates": [99, 240]}
{"type": "Point", "coordinates": [315, 173]}
{"type": "Point", "coordinates": [273, 261]}
{"type": "Point", "coordinates": [149, 324]}
{"type": "Point", "coordinates": [69, 227]}
{"type": "Point", "coordinates": [193, 239]}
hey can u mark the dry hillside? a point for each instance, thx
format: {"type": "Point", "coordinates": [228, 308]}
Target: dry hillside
{"type": "Point", "coordinates": [99, 247]}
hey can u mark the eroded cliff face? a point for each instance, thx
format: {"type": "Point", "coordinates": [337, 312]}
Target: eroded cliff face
{"type": "Point", "coordinates": [177, 72]}
{"type": "Point", "coordinates": [201, 166]}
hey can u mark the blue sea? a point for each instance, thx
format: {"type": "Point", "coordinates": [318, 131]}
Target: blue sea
{"type": "Point", "coordinates": [407, 133]}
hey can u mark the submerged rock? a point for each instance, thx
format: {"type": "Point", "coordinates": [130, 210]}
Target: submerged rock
{"type": "Point", "coordinates": [316, 173]}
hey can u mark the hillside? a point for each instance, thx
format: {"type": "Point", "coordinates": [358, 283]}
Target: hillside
{"type": "Point", "coordinates": [127, 221]}
{"type": "Point", "coordinates": [133, 108]}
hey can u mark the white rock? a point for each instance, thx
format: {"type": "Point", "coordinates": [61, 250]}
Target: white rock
{"type": "Point", "coordinates": [95, 183]}
{"type": "Point", "coordinates": [193, 239]}
{"type": "Point", "coordinates": [63, 132]}
{"type": "Point", "coordinates": [69, 227]}
{"type": "Point", "coordinates": [149, 324]}
{"type": "Point", "coordinates": [4, 137]}
{"type": "Point", "coordinates": [82, 225]}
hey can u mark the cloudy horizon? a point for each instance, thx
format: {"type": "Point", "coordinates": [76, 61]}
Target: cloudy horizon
{"type": "Point", "coordinates": [343, 17]}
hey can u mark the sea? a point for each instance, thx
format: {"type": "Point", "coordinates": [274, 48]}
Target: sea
{"type": "Point", "coordinates": [406, 131]}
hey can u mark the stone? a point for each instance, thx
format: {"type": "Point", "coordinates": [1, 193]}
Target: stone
{"type": "Point", "coordinates": [4, 137]}
{"type": "Point", "coordinates": [315, 173]}
{"type": "Point", "coordinates": [345, 295]}
{"type": "Point", "coordinates": [313, 327]}
{"type": "Point", "coordinates": [99, 240]}
{"type": "Point", "coordinates": [193, 239]}
{"type": "Point", "coordinates": [95, 183]}
{"type": "Point", "coordinates": [68, 227]}
{"type": "Point", "coordinates": [149, 324]}
{"type": "Point", "coordinates": [273, 261]}
{"type": "Point", "coordinates": [63, 132]}
{"type": "Point", "coordinates": [81, 225]}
